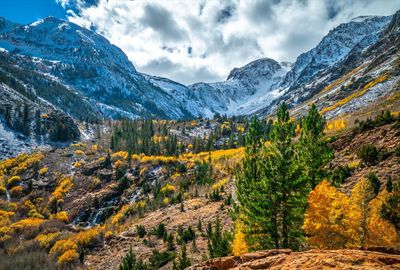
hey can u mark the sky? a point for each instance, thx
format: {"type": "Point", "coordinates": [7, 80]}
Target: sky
{"type": "Point", "coordinates": [198, 40]}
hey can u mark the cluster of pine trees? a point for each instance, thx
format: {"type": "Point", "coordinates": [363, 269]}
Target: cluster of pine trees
{"type": "Point", "coordinates": [142, 136]}
{"type": "Point", "coordinates": [284, 199]}
{"type": "Point", "coordinates": [276, 176]}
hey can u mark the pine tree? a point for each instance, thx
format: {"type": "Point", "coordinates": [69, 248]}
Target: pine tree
{"type": "Point", "coordinates": [182, 261]}
{"type": "Point", "coordinates": [218, 242]}
{"type": "Point", "coordinates": [129, 262]}
{"type": "Point", "coordinates": [314, 152]}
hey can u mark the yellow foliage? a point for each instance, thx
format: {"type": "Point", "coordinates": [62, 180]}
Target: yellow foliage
{"type": "Point", "coordinates": [118, 163]}
{"type": "Point", "coordinates": [166, 201]}
{"type": "Point", "coordinates": [354, 164]}
{"type": "Point", "coordinates": [239, 245]}
{"type": "Point", "coordinates": [62, 246]}
{"type": "Point", "coordinates": [79, 152]}
{"type": "Point", "coordinates": [298, 129]}
{"type": "Point", "coordinates": [62, 216]}
{"type": "Point", "coordinates": [43, 171]}
{"type": "Point", "coordinates": [13, 180]}
{"type": "Point", "coordinates": [78, 145]}
{"type": "Point", "coordinates": [108, 234]}
{"type": "Point", "coordinates": [135, 157]}
{"type": "Point", "coordinates": [16, 191]}
{"type": "Point", "coordinates": [47, 240]}
{"type": "Point", "coordinates": [325, 219]}
{"type": "Point", "coordinates": [64, 185]}
{"type": "Point", "coordinates": [380, 231]}
{"type": "Point", "coordinates": [120, 215]}
{"type": "Point", "coordinates": [44, 115]}
{"type": "Point", "coordinates": [158, 159]}
{"type": "Point", "coordinates": [95, 147]}
{"type": "Point", "coordinates": [119, 155]}
{"type": "Point", "coordinates": [5, 217]}
{"type": "Point", "coordinates": [220, 183]}
{"type": "Point", "coordinates": [356, 94]}
{"type": "Point", "coordinates": [101, 159]}
{"type": "Point", "coordinates": [333, 220]}
{"type": "Point", "coordinates": [168, 188]}
{"type": "Point", "coordinates": [77, 164]}
{"type": "Point", "coordinates": [335, 125]}
{"type": "Point", "coordinates": [25, 224]}
{"type": "Point", "coordinates": [88, 237]}
{"type": "Point", "coordinates": [67, 258]}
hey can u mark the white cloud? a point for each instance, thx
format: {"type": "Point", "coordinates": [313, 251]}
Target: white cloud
{"type": "Point", "coordinates": [198, 40]}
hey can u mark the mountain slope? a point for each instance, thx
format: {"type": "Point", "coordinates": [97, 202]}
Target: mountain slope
{"type": "Point", "coordinates": [314, 81]}
{"type": "Point", "coordinates": [246, 89]}
{"type": "Point", "coordinates": [86, 62]}
{"type": "Point", "coordinates": [260, 85]}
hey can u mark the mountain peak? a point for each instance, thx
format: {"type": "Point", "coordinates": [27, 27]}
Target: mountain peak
{"type": "Point", "coordinates": [262, 67]}
{"type": "Point", "coordinates": [362, 18]}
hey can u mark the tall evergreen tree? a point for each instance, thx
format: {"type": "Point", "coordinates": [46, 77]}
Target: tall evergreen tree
{"type": "Point", "coordinates": [272, 196]}
{"type": "Point", "coordinates": [314, 151]}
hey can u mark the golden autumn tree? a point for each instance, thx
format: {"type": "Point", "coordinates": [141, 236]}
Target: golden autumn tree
{"type": "Point", "coordinates": [239, 245]}
{"type": "Point", "coordinates": [326, 222]}
{"type": "Point", "coordinates": [361, 195]}
{"type": "Point", "coordinates": [380, 232]}
{"type": "Point", "coordinates": [334, 220]}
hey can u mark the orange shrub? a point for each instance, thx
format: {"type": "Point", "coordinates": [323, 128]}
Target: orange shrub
{"type": "Point", "coordinates": [68, 258]}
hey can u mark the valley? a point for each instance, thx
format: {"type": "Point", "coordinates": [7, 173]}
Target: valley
{"type": "Point", "coordinates": [281, 166]}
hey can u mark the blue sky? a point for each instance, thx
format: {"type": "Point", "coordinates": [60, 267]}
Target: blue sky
{"type": "Point", "coordinates": [26, 11]}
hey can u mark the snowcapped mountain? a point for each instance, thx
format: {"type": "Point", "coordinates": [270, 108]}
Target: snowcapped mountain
{"type": "Point", "coordinates": [93, 74]}
{"type": "Point", "coordinates": [88, 64]}
{"type": "Point", "coordinates": [335, 46]}
{"type": "Point", "coordinates": [246, 89]}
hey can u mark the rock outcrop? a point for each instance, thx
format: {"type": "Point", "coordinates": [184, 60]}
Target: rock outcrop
{"type": "Point", "coordinates": [312, 259]}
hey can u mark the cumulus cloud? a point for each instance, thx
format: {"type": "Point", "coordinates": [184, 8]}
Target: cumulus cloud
{"type": "Point", "coordinates": [199, 40]}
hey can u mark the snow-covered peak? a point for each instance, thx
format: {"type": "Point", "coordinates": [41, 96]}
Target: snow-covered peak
{"type": "Point", "coordinates": [362, 18]}
{"type": "Point", "coordinates": [335, 46]}
{"type": "Point", "coordinates": [59, 40]}
{"type": "Point", "coordinates": [259, 68]}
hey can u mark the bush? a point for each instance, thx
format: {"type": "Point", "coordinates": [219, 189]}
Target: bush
{"type": "Point", "coordinates": [141, 230]}
{"type": "Point", "coordinates": [383, 154]}
{"type": "Point", "coordinates": [33, 258]}
{"type": "Point", "coordinates": [68, 258]}
{"type": "Point", "coordinates": [340, 174]}
{"type": "Point", "coordinates": [397, 151]}
{"type": "Point", "coordinates": [368, 154]}
{"type": "Point", "coordinates": [160, 230]}
{"type": "Point", "coordinates": [159, 259]}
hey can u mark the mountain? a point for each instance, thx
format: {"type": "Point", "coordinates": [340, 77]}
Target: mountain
{"type": "Point", "coordinates": [91, 66]}
{"type": "Point", "coordinates": [6, 25]}
{"type": "Point", "coordinates": [259, 86]}
{"type": "Point", "coordinates": [329, 61]}
{"type": "Point", "coordinates": [246, 89]}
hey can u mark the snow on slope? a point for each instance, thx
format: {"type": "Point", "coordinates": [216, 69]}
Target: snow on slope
{"type": "Point", "coordinates": [246, 89]}
{"type": "Point", "coordinates": [335, 46]}
{"type": "Point", "coordinates": [87, 62]}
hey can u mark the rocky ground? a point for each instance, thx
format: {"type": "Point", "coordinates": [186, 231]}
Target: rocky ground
{"type": "Point", "coordinates": [312, 259]}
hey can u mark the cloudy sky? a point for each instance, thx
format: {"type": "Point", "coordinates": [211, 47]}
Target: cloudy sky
{"type": "Point", "coordinates": [197, 40]}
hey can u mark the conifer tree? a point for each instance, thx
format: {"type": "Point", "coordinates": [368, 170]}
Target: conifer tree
{"type": "Point", "coordinates": [314, 152]}
{"type": "Point", "coordinates": [183, 261]}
